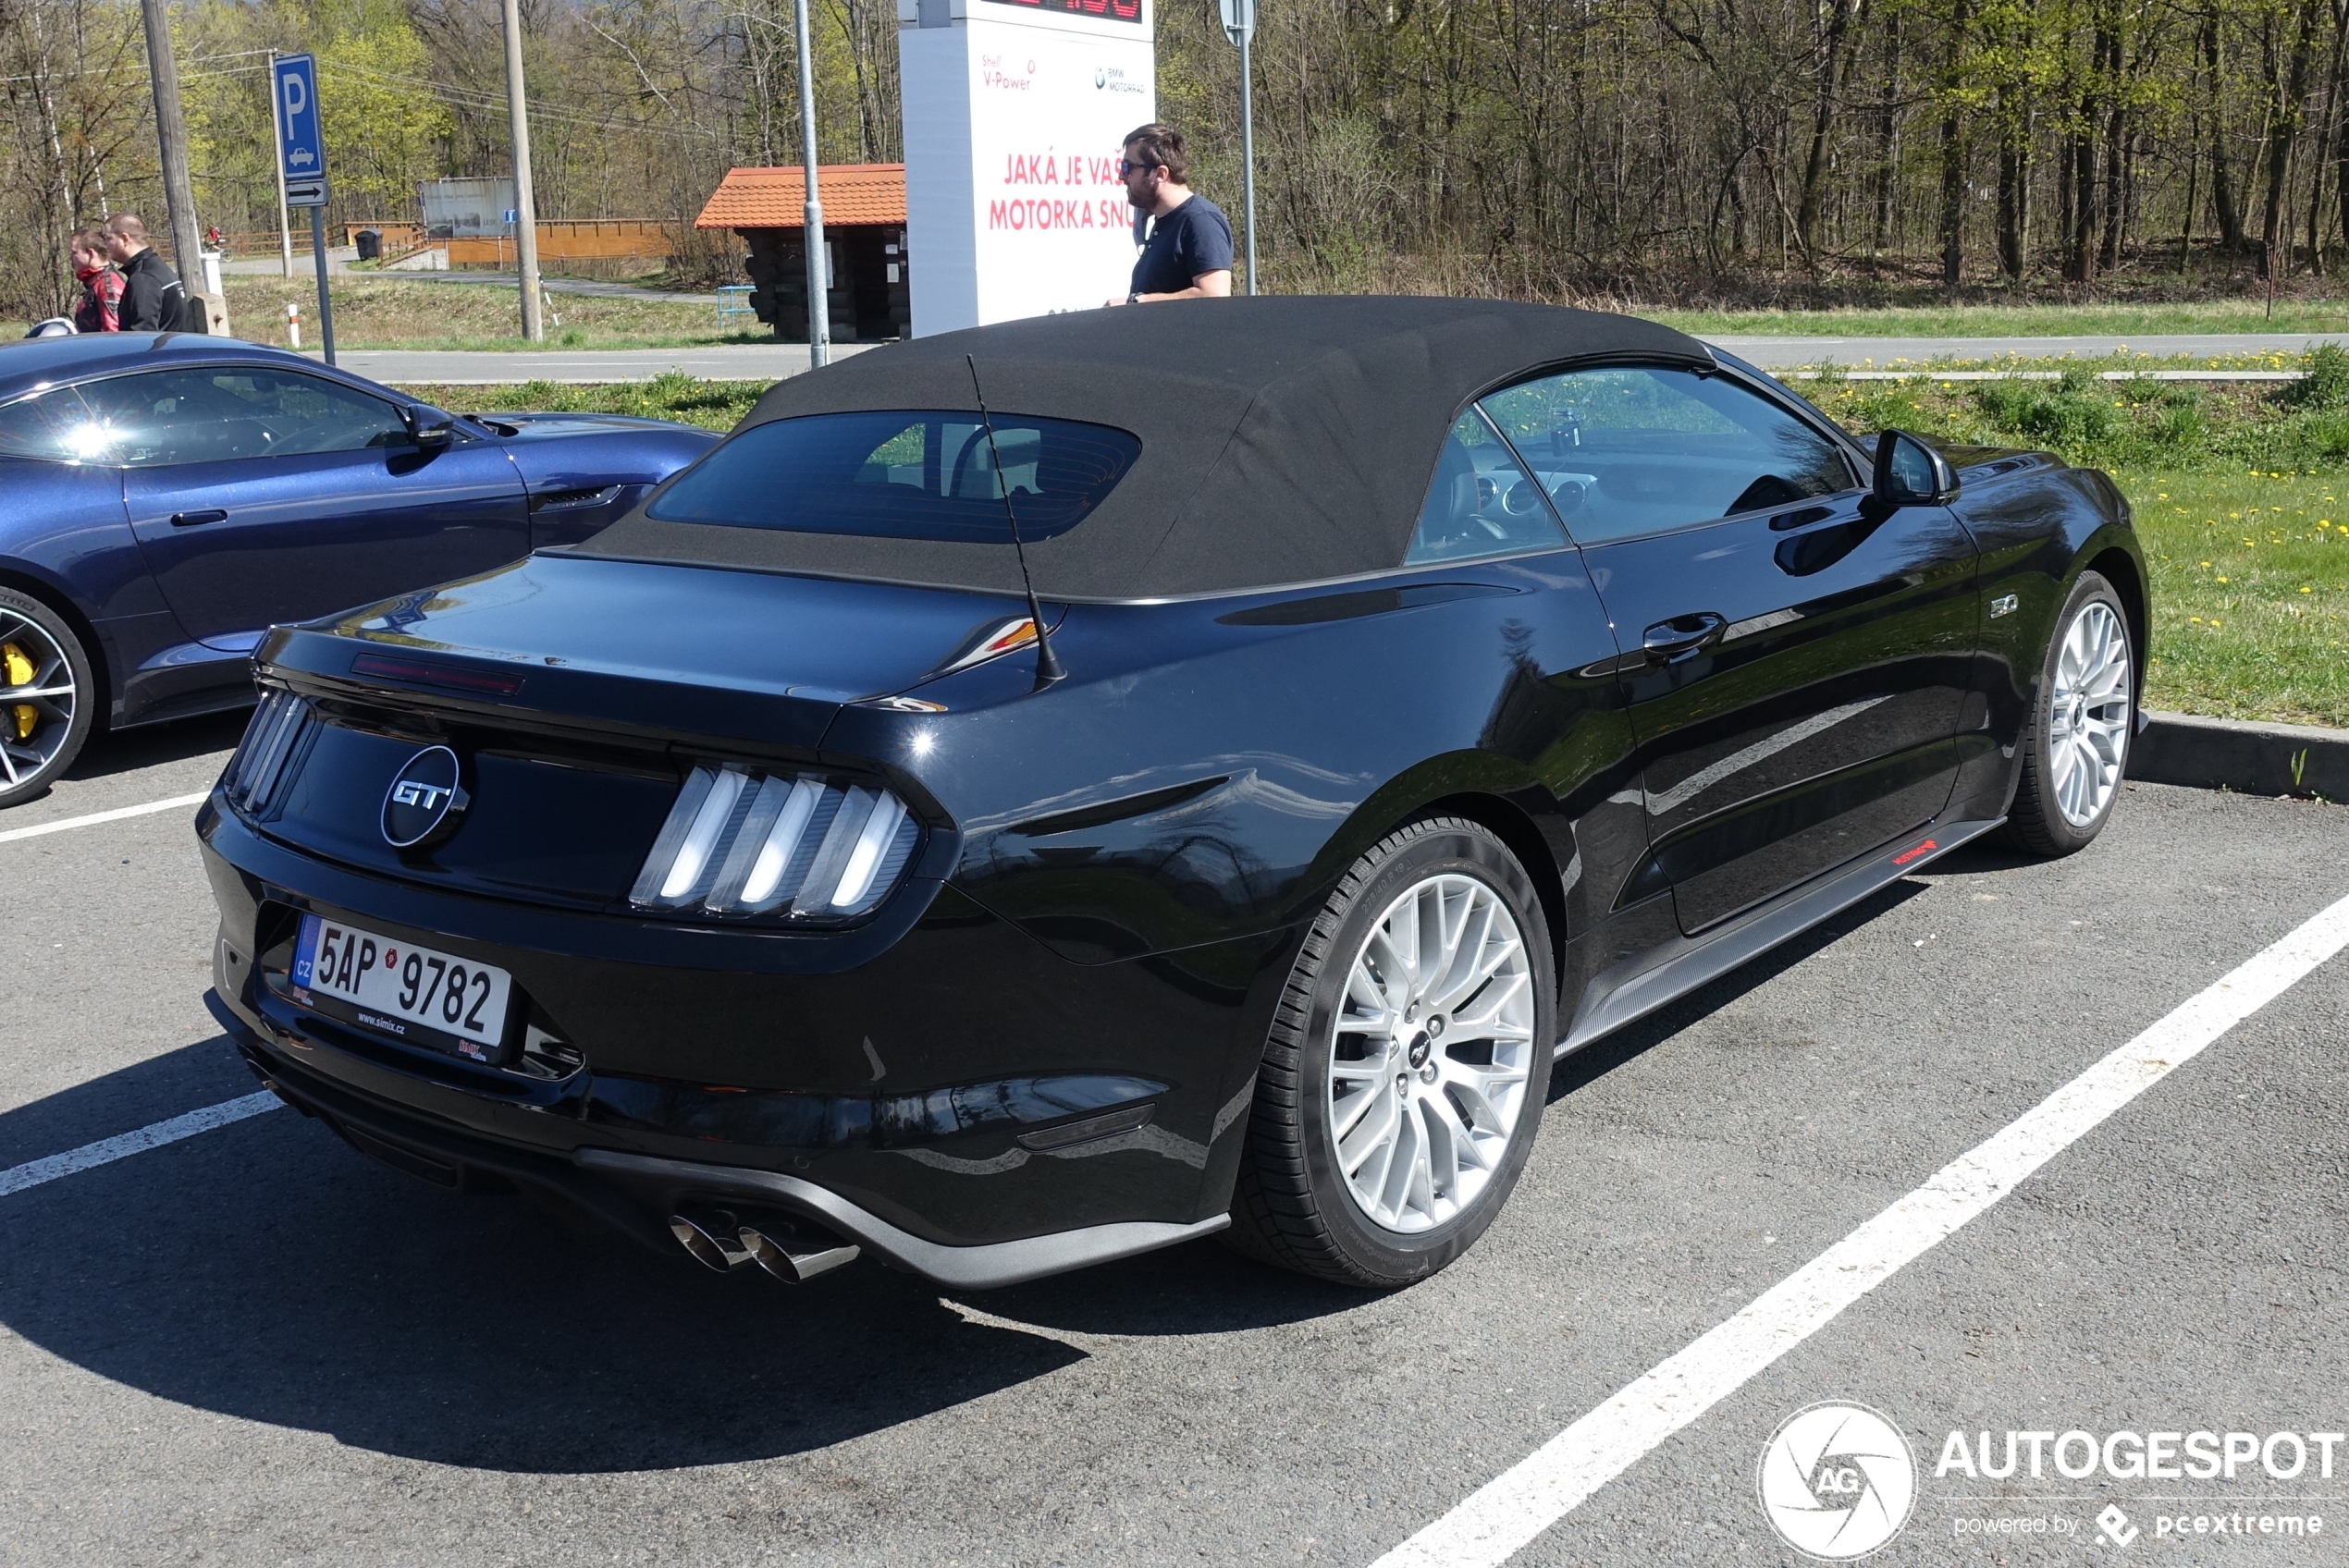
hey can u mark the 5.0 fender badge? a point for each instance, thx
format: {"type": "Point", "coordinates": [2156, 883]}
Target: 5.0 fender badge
{"type": "Point", "coordinates": [425, 799]}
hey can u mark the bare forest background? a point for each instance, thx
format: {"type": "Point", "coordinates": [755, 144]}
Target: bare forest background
{"type": "Point", "coordinates": [1681, 152]}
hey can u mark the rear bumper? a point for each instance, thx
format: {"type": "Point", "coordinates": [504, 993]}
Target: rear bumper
{"type": "Point", "coordinates": [634, 1194]}
{"type": "Point", "coordinates": [966, 1104]}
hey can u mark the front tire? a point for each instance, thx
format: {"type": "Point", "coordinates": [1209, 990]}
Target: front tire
{"type": "Point", "coordinates": [2077, 747]}
{"type": "Point", "coordinates": [1404, 1077]}
{"type": "Point", "coordinates": [47, 704]}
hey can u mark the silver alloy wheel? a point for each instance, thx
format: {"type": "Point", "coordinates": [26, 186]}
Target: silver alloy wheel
{"type": "Point", "coordinates": [2089, 714]}
{"type": "Point", "coordinates": [1429, 1053]}
{"type": "Point", "coordinates": [37, 697]}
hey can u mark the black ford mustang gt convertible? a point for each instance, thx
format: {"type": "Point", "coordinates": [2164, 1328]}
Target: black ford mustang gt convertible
{"type": "Point", "coordinates": [1410, 692]}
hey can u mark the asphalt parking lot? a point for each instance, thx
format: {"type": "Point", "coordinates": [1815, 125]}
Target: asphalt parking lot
{"type": "Point", "coordinates": [253, 1346]}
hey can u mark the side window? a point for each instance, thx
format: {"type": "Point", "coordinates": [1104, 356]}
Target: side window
{"type": "Point", "coordinates": [1481, 503]}
{"type": "Point", "coordinates": [1630, 450]}
{"type": "Point", "coordinates": [55, 424]}
{"type": "Point", "coordinates": [220, 414]}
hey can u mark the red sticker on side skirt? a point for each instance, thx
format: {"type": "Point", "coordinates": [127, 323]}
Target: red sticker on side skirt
{"type": "Point", "coordinates": [1905, 856]}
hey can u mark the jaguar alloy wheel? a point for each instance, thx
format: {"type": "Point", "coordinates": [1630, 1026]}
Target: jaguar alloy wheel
{"type": "Point", "coordinates": [44, 700]}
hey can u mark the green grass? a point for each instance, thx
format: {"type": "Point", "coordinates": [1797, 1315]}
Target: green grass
{"type": "Point", "coordinates": [2250, 593]}
{"type": "Point", "coordinates": [714, 405]}
{"type": "Point", "coordinates": [2237, 491]}
{"type": "Point", "coordinates": [2021, 321]}
{"type": "Point", "coordinates": [2142, 423]}
{"type": "Point", "coordinates": [409, 313]}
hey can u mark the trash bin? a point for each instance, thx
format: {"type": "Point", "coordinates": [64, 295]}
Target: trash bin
{"type": "Point", "coordinates": [371, 244]}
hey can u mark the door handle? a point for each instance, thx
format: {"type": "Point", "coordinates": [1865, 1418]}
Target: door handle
{"type": "Point", "coordinates": [192, 519]}
{"type": "Point", "coordinates": [1682, 635]}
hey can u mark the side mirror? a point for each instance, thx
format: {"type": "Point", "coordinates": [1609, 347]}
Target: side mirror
{"type": "Point", "coordinates": [428, 427]}
{"type": "Point", "coordinates": [1910, 473]}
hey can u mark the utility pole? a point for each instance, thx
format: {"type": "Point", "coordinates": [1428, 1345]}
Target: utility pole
{"type": "Point", "coordinates": [820, 320]}
{"type": "Point", "coordinates": [171, 132]}
{"type": "Point", "coordinates": [277, 140]}
{"type": "Point", "coordinates": [534, 324]}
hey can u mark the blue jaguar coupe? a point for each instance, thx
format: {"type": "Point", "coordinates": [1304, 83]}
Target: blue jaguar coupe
{"type": "Point", "coordinates": [165, 498]}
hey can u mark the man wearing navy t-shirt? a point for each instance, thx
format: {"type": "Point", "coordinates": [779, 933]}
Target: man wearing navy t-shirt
{"type": "Point", "coordinates": [1189, 252]}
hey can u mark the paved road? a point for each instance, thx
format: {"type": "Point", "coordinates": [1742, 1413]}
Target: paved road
{"type": "Point", "coordinates": [255, 1346]}
{"type": "Point", "coordinates": [763, 362]}
{"type": "Point", "coordinates": [435, 367]}
{"type": "Point", "coordinates": [1791, 354]}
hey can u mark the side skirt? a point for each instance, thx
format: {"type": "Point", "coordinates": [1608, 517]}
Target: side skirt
{"type": "Point", "coordinates": [1638, 986]}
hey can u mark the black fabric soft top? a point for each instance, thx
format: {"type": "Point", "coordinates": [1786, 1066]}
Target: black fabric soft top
{"type": "Point", "coordinates": [1283, 440]}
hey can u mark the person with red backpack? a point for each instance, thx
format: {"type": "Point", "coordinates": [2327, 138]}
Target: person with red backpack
{"type": "Point", "coordinates": [101, 307]}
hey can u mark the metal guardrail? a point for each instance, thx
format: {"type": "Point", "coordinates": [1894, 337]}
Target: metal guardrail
{"type": "Point", "coordinates": [734, 305]}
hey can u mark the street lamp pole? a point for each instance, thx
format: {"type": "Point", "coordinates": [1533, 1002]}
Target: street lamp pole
{"type": "Point", "coordinates": [820, 325]}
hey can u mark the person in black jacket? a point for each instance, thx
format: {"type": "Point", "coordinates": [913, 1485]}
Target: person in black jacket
{"type": "Point", "coordinates": [153, 299]}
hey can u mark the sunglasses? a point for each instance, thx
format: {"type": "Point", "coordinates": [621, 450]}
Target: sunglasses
{"type": "Point", "coordinates": [1127, 168]}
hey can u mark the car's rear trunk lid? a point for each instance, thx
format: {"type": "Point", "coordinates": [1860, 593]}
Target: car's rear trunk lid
{"type": "Point", "coordinates": [578, 695]}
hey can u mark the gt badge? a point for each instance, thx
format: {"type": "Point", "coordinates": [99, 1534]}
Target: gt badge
{"type": "Point", "coordinates": [425, 799]}
{"type": "Point", "coordinates": [2005, 603]}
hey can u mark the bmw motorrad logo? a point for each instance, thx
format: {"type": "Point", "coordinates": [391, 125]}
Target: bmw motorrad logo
{"type": "Point", "coordinates": [424, 800]}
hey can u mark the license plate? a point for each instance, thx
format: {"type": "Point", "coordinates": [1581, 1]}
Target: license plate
{"type": "Point", "coordinates": [399, 988]}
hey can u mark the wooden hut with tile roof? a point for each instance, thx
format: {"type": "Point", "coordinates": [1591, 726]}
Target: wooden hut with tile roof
{"type": "Point", "coordinates": [863, 240]}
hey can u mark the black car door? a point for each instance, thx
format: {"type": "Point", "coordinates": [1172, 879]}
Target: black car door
{"type": "Point", "coordinates": [1796, 656]}
{"type": "Point", "coordinates": [262, 495]}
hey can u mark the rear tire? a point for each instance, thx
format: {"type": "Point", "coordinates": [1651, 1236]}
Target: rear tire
{"type": "Point", "coordinates": [47, 702]}
{"type": "Point", "coordinates": [2075, 749]}
{"type": "Point", "coordinates": [1405, 1071]}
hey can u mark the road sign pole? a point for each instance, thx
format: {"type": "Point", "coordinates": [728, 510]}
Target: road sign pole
{"type": "Point", "coordinates": [1239, 26]}
{"type": "Point", "coordinates": [326, 304]}
{"type": "Point", "coordinates": [1248, 142]}
{"type": "Point", "coordinates": [301, 168]}
{"type": "Point", "coordinates": [277, 136]}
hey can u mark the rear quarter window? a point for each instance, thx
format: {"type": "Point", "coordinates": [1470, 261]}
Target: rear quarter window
{"type": "Point", "coordinates": [930, 475]}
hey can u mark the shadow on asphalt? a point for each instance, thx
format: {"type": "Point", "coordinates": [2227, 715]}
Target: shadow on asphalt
{"type": "Point", "coordinates": [153, 743]}
{"type": "Point", "coordinates": [1594, 1061]}
{"type": "Point", "coordinates": [267, 1271]}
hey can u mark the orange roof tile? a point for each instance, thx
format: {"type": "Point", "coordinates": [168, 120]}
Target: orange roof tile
{"type": "Point", "coordinates": [851, 194]}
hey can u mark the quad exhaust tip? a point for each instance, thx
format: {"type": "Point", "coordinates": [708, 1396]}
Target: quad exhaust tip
{"type": "Point", "coordinates": [721, 1239]}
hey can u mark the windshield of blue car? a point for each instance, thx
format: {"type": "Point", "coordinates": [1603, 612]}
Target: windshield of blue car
{"type": "Point", "coordinates": [933, 475]}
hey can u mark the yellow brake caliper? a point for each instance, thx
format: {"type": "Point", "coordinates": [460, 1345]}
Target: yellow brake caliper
{"type": "Point", "coordinates": [15, 670]}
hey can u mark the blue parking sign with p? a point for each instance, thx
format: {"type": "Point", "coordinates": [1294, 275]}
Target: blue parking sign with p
{"type": "Point", "coordinates": [296, 80]}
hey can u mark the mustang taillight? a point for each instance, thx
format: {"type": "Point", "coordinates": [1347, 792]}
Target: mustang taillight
{"type": "Point", "coordinates": [279, 726]}
{"type": "Point", "coordinates": [807, 847]}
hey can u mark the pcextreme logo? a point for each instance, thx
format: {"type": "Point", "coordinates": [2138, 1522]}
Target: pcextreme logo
{"type": "Point", "coordinates": [1836, 1481]}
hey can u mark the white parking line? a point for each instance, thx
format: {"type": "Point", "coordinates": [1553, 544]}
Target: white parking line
{"type": "Point", "coordinates": [177, 802]}
{"type": "Point", "coordinates": [17, 1177]}
{"type": "Point", "coordinates": [1508, 1511]}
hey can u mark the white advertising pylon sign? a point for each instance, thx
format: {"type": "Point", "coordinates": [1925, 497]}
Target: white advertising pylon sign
{"type": "Point", "coordinates": [1015, 112]}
